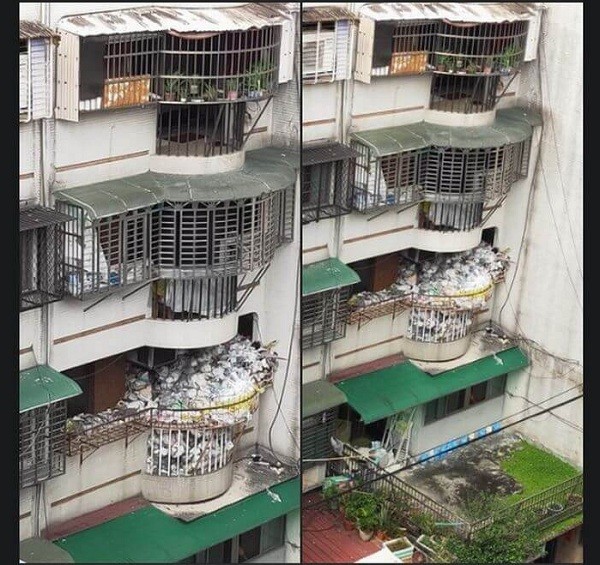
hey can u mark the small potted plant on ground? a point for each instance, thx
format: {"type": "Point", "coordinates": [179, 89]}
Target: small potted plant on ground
{"type": "Point", "coordinates": [487, 67]}
{"type": "Point", "coordinates": [331, 495]}
{"type": "Point", "coordinates": [444, 63]}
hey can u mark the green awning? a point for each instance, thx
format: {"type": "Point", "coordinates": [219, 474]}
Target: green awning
{"type": "Point", "coordinates": [39, 550]}
{"type": "Point", "coordinates": [326, 275]}
{"type": "Point", "coordinates": [319, 396]}
{"type": "Point", "coordinates": [148, 535]}
{"type": "Point", "coordinates": [391, 390]}
{"type": "Point", "coordinates": [41, 385]}
{"type": "Point", "coordinates": [511, 125]}
{"type": "Point", "coordinates": [265, 170]}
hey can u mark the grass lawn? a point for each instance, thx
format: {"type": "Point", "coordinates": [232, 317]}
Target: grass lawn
{"type": "Point", "coordinates": [535, 470]}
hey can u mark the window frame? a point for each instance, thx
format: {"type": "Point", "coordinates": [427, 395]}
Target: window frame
{"type": "Point", "coordinates": [316, 430]}
{"type": "Point", "coordinates": [331, 306]}
{"type": "Point", "coordinates": [439, 406]}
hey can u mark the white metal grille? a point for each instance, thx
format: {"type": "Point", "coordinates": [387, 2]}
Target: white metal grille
{"type": "Point", "coordinates": [325, 51]}
{"type": "Point", "coordinates": [431, 325]}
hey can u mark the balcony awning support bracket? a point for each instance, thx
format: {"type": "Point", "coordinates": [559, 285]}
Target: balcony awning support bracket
{"type": "Point", "coordinates": [253, 127]}
{"type": "Point", "coordinates": [97, 301]}
{"type": "Point", "coordinates": [247, 289]}
{"type": "Point", "coordinates": [497, 205]}
{"type": "Point", "coordinates": [497, 98]}
{"type": "Point", "coordinates": [138, 288]}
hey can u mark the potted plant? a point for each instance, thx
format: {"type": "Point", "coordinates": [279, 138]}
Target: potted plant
{"type": "Point", "coordinates": [401, 548]}
{"type": "Point", "coordinates": [331, 495]}
{"type": "Point", "coordinates": [460, 67]}
{"type": "Point", "coordinates": [231, 89]}
{"type": "Point", "coordinates": [508, 59]}
{"type": "Point", "coordinates": [256, 80]}
{"type": "Point", "coordinates": [471, 68]}
{"type": "Point", "coordinates": [487, 67]}
{"type": "Point", "coordinates": [444, 64]}
{"type": "Point", "coordinates": [183, 91]}
{"type": "Point", "coordinates": [368, 520]}
{"type": "Point", "coordinates": [171, 89]}
{"type": "Point", "coordinates": [210, 92]}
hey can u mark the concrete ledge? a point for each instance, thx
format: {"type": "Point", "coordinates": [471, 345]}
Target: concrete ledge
{"type": "Point", "coordinates": [461, 120]}
{"type": "Point", "coordinates": [446, 242]}
{"type": "Point", "coordinates": [182, 490]}
{"type": "Point", "coordinates": [436, 351]}
{"type": "Point", "coordinates": [197, 165]}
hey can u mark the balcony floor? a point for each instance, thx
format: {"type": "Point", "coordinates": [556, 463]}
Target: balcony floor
{"type": "Point", "coordinates": [324, 539]}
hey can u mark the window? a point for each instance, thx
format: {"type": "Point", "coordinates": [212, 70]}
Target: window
{"type": "Point", "coordinates": [246, 546]}
{"type": "Point", "coordinates": [42, 446]}
{"type": "Point", "coordinates": [24, 92]}
{"type": "Point", "coordinates": [327, 181]}
{"type": "Point", "coordinates": [41, 258]}
{"type": "Point", "coordinates": [325, 51]}
{"type": "Point", "coordinates": [403, 48]}
{"type": "Point", "coordinates": [246, 325]}
{"type": "Point", "coordinates": [462, 399]}
{"type": "Point", "coordinates": [324, 317]}
{"type": "Point", "coordinates": [389, 180]}
{"type": "Point", "coordinates": [316, 433]}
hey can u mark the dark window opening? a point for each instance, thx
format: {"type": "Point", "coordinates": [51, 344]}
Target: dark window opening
{"type": "Point", "coordinates": [246, 324]}
{"type": "Point", "coordinates": [200, 130]}
{"type": "Point", "coordinates": [466, 94]}
{"type": "Point", "coordinates": [42, 446]}
{"type": "Point", "coordinates": [316, 433]}
{"type": "Point", "coordinates": [327, 190]}
{"type": "Point", "coordinates": [324, 317]}
{"type": "Point", "coordinates": [463, 399]}
{"type": "Point", "coordinates": [489, 235]}
{"type": "Point", "coordinates": [41, 266]}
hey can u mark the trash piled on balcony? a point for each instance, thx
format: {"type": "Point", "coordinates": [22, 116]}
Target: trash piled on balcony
{"type": "Point", "coordinates": [224, 381]}
{"type": "Point", "coordinates": [451, 280]}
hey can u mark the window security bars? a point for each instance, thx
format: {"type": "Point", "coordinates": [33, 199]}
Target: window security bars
{"type": "Point", "coordinates": [174, 240]}
{"type": "Point", "coordinates": [465, 94]}
{"type": "Point", "coordinates": [326, 51]}
{"type": "Point", "coordinates": [403, 48]}
{"type": "Point", "coordinates": [24, 81]}
{"type": "Point", "coordinates": [387, 181]}
{"type": "Point", "coordinates": [42, 264]}
{"type": "Point", "coordinates": [194, 299]}
{"type": "Point", "coordinates": [198, 130]}
{"type": "Point", "coordinates": [453, 183]}
{"type": "Point", "coordinates": [316, 433]}
{"type": "Point", "coordinates": [327, 190]}
{"type": "Point", "coordinates": [231, 65]}
{"type": "Point", "coordinates": [324, 317]}
{"type": "Point", "coordinates": [42, 447]}
{"type": "Point", "coordinates": [480, 48]}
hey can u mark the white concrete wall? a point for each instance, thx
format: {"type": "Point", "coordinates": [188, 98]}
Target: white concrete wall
{"type": "Point", "coordinates": [319, 104]}
{"type": "Point", "coordinates": [460, 424]}
{"type": "Point", "coordinates": [27, 185]}
{"type": "Point", "coordinates": [546, 302]}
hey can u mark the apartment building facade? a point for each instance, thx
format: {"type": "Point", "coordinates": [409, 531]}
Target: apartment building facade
{"type": "Point", "coordinates": [158, 160]}
{"type": "Point", "coordinates": [435, 135]}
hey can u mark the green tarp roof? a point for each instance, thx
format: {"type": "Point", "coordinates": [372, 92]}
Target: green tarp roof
{"type": "Point", "coordinates": [265, 170]}
{"type": "Point", "coordinates": [388, 391]}
{"type": "Point", "coordinates": [511, 125]}
{"type": "Point", "coordinates": [41, 385]}
{"type": "Point", "coordinates": [39, 550]}
{"type": "Point", "coordinates": [319, 396]}
{"type": "Point", "coordinates": [148, 535]}
{"type": "Point", "coordinates": [326, 275]}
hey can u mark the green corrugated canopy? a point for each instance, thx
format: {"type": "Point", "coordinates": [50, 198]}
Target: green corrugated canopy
{"type": "Point", "coordinates": [326, 275]}
{"type": "Point", "coordinates": [511, 125]}
{"type": "Point", "coordinates": [319, 396]}
{"type": "Point", "coordinates": [148, 535]}
{"type": "Point", "coordinates": [42, 385]}
{"type": "Point", "coordinates": [265, 170]}
{"type": "Point", "coordinates": [391, 390]}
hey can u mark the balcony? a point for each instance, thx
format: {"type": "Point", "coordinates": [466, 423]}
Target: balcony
{"type": "Point", "coordinates": [449, 172]}
{"type": "Point", "coordinates": [436, 500]}
{"type": "Point", "coordinates": [174, 56]}
{"type": "Point", "coordinates": [178, 227]}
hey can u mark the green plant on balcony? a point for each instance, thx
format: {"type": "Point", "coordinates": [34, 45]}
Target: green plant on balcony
{"type": "Point", "coordinates": [509, 59]}
{"type": "Point", "coordinates": [210, 92]}
{"type": "Point", "coordinates": [259, 78]}
{"type": "Point", "coordinates": [172, 88]}
{"type": "Point", "coordinates": [445, 64]}
{"type": "Point", "coordinates": [330, 493]}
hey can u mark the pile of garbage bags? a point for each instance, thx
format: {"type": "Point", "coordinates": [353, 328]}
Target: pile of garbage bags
{"type": "Point", "coordinates": [224, 381]}
{"type": "Point", "coordinates": [452, 280]}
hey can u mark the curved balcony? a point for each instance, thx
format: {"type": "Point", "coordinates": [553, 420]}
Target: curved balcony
{"type": "Point", "coordinates": [178, 226]}
{"type": "Point", "coordinates": [451, 172]}
{"type": "Point", "coordinates": [190, 452]}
